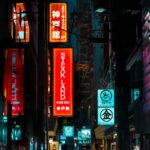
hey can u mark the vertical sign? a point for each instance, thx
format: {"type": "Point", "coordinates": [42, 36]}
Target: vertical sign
{"type": "Point", "coordinates": [14, 80]}
{"type": "Point", "coordinates": [62, 82]}
{"type": "Point", "coordinates": [105, 110]}
{"type": "Point", "coordinates": [21, 23]}
{"type": "Point", "coordinates": [58, 22]}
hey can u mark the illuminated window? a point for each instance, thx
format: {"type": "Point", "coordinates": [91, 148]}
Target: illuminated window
{"type": "Point", "coordinates": [20, 27]}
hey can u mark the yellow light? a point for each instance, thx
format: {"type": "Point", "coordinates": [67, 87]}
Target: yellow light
{"type": "Point", "coordinates": [50, 140]}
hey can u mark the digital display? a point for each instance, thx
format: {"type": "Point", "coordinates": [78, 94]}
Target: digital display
{"type": "Point", "coordinates": [105, 116]}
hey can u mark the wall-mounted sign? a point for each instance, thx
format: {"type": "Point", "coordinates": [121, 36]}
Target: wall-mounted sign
{"type": "Point", "coordinates": [14, 80]}
{"type": "Point", "coordinates": [105, 98]}
{"type": "Point", "coordinates": [86, 133]}
{"type": "Point", "coordinates": [105, 116]}
{"type": "Point", "coordinates": [62, 82]}
{"type": "Point", "coordinates": [63, 137]}
{"type": "Point", "coordinates": [58, 22]}
{"type": "Point", "coordinates": [54, 145]}
{"type": "Point", "coordinates": [20, 23]}
{"type": "Point", "coordinates": [82, 140]}
{"type": "Point", "coordinates": [68, 131]}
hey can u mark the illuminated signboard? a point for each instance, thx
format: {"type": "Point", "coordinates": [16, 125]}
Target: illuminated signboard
{"type": "Point", "coordinates": [58, 22]}
{"type": "Point", "coordinates": [62, 82]}
{"type": "Point", "coordinates": [106, 98]}
{"type": "Point", "coordinates": [105, 116]}
{"type": "Point", "coordinates": [14, 80]}
{"type": "Point", "coordinates": [54, 145]}
{"type": "Point", "coordinates": [86, 133]}
{"type": "Point", "coordinates": [82, 140]}
{"type": "Point", "coordinates": [20, 23]}
{"type": "Point", "coordinates": [68, 131]}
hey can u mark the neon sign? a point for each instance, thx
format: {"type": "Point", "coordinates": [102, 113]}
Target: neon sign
{"type": "Point", "coordinates": [62, 81]}
{"type": "Point", "coordinates": [20, 23]}
{"type": "Point", "coordinates": [58, 22]}
{"type": "Point", "coordinates": [13, 80]}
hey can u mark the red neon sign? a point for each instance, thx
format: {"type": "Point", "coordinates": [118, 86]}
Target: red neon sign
{"type": "Point", "coordinates": [58, 22]}
{"type": "Point", "coordinates": [14, 80]}
{"type": "Point", "coordinates": [62, 82]}
{"type": "Point", "coordinates": [21, 23]}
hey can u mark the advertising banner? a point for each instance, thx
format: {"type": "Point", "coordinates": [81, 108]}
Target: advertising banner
{"type": "Point", "coordinates": [20, 23]}
{"type": "Point", "coordinates": [14, 80]}
{"type": "Point", "coordinates": [62, 82]}
{"type": "Point", "coordinates": [106, 98]}
{"type": "Point", "coordinates": [54, 145]}
{"type": "Point", "coordinates": [58, 22]}
{"type": "Point", "coordinates": [105, 107]}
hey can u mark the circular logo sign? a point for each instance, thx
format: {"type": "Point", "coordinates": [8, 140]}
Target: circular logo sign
{"type": "Point", "coordinates": [106, 115]}
{"type": "Point", "coordinates": [106, 95]}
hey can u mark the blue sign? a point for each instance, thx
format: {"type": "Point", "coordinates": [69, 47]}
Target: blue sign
{"type": "Point", "coordinates": [82, 139]}
{"type": "Point", "coordinates": [105, 98]}
{"type": "Point", "coordinates": [62, 137]}
{"type": "Point", "coordinates": [106, 116]}
{"type": "Point", "coordinates": [86, 133]}
{"type": "Point", "coordinates": [68, 131]}
{"type": "Point", "coordinates": [135, 94]}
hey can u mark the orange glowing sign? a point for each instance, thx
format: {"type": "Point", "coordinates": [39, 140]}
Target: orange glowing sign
{"type": "Point", "coordinates": [21, 24]}
{"type": "Point", "coordinates": [14, 80]}
{"type": "Point", "coordinates": [58, 22]}
{"type": "Point", "coordinates": [62, 82]}
{"type": "Point", "coordinates": [49, 73]}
